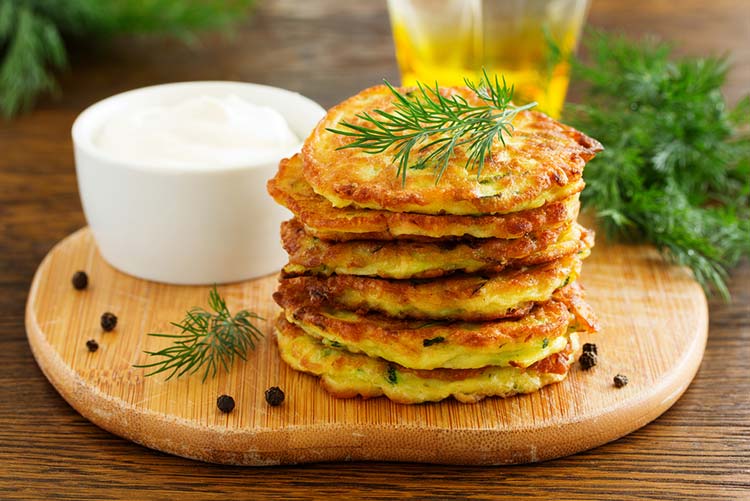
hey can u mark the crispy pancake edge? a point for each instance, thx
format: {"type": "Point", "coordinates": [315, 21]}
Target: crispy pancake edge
{"type": "Point", "coordinates": [457, 345]}
{"type": "Point", "coordinates": [347, 375]}
{"type": "Point", "coordinates": [309, 255]}
{"type": "Point", "coordinates": [321, 219]}
{"type": "Point", "coordinates": [472, 298]}
{"type": "Point", "coordinates": [574, 297]}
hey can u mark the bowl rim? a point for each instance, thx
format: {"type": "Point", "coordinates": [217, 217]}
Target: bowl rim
{"type": "Point", "coordinates": [88, 120]}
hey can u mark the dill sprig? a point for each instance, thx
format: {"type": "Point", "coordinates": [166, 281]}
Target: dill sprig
{"type": "Point", "coordinates": [33, 34]}
{"type": "Point", "coordinates": [675, 171]}
{"type": "Point", "coordinates": [209, 339]}
{"type": "Point", "coordinates": [429, 125]}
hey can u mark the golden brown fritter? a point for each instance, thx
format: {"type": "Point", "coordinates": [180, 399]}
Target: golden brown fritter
{"type": "Point", "coordinates": [400, 259]}
{"type": "Point", "coordinates": [541, 162]}
{"type": "Point", "coordinates": [471, 298]}
{"type": "Point", "coordinates": [322, 220]}
{"type": "Point", "coordinates": [346, 375]}
{"type": "Point", "coordinates": [421, 344]}
{"type": "Point", "coordinates": [423, 291]}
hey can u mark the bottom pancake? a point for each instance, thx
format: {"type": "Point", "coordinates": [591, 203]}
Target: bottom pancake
{"type": "Point", "coordinates": [347, 375]}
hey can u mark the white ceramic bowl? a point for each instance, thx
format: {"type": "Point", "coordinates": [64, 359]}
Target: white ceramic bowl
{"type": "Point", "coordinates": [185, 225]}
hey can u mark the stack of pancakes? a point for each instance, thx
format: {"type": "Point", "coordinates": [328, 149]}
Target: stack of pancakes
{"type": "Point", "coordinates": [425, 290]}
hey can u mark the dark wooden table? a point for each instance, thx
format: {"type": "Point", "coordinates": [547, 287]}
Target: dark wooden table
{"type": "Point", "coordinates": [700, 449]}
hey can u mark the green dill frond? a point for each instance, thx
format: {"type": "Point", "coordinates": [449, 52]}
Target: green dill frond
{"type": "Point", "coordinates": [209, 340]}
{"type": "Point", "coordinates": [32, 47]}
{"type": "Point", "coordinates": [676, 166]}
{"type": "Point", "coordinates": [32, 34]}
{"type": "Point", "coordinates": [425, 120]}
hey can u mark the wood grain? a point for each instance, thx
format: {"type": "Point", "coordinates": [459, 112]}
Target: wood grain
{"type": "Point", "coordinates": [698, 450]}
{"type": "Point", "coordinates": [655, 324]}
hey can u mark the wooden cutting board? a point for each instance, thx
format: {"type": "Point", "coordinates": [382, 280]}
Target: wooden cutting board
{"type": "Point", "coordinates": [654, 319]}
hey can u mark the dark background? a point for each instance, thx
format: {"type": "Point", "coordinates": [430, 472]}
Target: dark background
{"type": "Point", "coordinates": [328, 50]}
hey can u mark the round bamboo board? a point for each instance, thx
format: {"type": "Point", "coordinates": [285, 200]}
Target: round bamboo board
{"type": "Point", "coordinates": [654, 325]}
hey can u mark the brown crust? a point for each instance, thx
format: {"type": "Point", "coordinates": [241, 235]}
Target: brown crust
{"type": "Point", "coordinates": [487, 256]}
{"type": "Point", "coordinates": [542, 157]}
{"type": "Point", "coordinates": [321, 219]}
{"type": "Point", "coordinates": [550, 320]}
{"type": "Point", "coordinates": [437, 298]}
{"type": "Point", "coordinates": [556, 363]}
{"type": "Point", "coordinates": [573, 296]}
{"type": "Point", "coordinates": [306, 362]}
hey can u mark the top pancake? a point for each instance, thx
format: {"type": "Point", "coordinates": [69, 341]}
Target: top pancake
{"type": "Point", "coordinates": [321, 219]}
{"type": "Point", "coordinates": [542, 162]}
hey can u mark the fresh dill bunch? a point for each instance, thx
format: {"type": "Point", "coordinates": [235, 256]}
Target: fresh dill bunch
{"type": "Point", "coordinates": [676, 166]}
{"type": "Point", "coordinates": [425, 120]}
{"type": "Point", "coordinates": [209, 340]}
{"type": "Point", "coordinates": [33, 34]}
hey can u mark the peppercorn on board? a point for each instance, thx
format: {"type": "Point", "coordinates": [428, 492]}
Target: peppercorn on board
{"type": "Point", "coordinates": [653, 329]}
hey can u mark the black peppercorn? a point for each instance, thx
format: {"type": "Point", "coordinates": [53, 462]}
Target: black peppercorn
{"type": "Point", "coordinates": [587, 360]}
{"type": "Point", "coordinates": [225, 403]}
{"type": "Point", "coordinates": [621, 380]}
{"type": "Point", "coordinates": [80, 280]}
{"type": "Point", "coordinates": [274, 396]}
{"type": "Point", "coordinates": [590, 348]}
{"type": "Point", "coordinates": [92, 345]}
{"type": "Point", "coordinates": [108, 321]}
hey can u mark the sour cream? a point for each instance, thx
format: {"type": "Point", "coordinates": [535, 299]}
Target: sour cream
{"type": "Point", "coordinates": [198, 131]}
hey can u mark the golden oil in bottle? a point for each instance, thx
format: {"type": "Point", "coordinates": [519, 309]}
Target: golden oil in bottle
{"type": "Point", "coordinates": [527, 42]}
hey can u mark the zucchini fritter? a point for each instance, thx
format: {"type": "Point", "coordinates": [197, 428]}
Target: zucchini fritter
{"type": "Point", "coordinates": [541, 162]}
{"type": "Point", "coordinates": [401, 259]}
{"type": "Point", "coordinates": [421, 344]}
{"type": "Point", "coordinates": [322, 220]}
{"type": "Point", "coordinates": [346, 375]}
{"type": "Point", "coordinates": [472, 298]}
